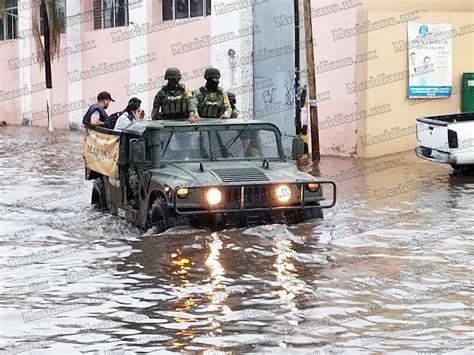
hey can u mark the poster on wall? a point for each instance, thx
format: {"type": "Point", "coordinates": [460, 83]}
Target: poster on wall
{"type": "Point", "coordinates": [429, 60]}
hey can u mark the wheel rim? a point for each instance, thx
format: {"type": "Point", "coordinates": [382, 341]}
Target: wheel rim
{"type": "Point", "coordinates": [157, 217]}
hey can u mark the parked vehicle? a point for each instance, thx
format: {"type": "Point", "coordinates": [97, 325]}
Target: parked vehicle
{"type": "Point", "coordinates": [447, 139]}
{"type": "Point", "coordinates": [217, 173]}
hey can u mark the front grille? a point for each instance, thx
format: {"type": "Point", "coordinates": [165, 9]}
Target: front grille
{"type": "Point", "coordinates": [257, 196]}
{"type": "Point", "coordinates": [260, 196]}
{"type": "Point", "coordinates": [254, 196]}
{"type": "Point", "coordinates": [232, 198]}
{"type": "Point", "coordinates": [240, 175]}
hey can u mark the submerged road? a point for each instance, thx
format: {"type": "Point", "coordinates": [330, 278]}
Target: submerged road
{"type": "Point", "coordinates": [389, 269]}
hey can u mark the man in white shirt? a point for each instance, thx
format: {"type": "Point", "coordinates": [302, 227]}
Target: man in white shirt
{"type": "Point", "coordinates": [131, 113]}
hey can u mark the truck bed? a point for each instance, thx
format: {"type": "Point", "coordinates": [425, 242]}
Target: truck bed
{"type": "Point", "coordinates": [444, 120]}
{"type": "Point", "coordinates": [446, 138]}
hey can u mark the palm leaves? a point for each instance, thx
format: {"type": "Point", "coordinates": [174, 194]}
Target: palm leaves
{"type": "Point", "coordinates": [53, 25]}
{"type": "Point", "coordinates": [56, 27]}
{"type": "Point", "coordinates": [2, 9]}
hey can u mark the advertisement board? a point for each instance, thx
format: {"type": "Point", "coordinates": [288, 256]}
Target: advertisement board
{"type": "Point", "coordinates": [429, 60]}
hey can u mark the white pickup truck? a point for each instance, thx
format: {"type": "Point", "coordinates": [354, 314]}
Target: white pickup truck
{"type": "Point", "coordinates": [447, 139]}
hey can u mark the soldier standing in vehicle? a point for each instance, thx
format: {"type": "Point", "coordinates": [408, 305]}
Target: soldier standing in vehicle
{"type": "Point", "coordinates": [174, 100]}
{"type": "Point", "coordinates": [233, 101]}
{"type": "Point", "coordinates": [212, 100]}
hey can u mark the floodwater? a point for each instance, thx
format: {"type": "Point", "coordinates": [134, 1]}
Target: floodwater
{"type": "Point", "coordinates": [389, 269]}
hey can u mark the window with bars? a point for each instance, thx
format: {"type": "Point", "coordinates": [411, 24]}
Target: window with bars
{"type": "Point", "coordinates": [110, 13]}
{"type": "Point", "coordinates": [179, 9]}
{"type": "Point", "coordinates": [9, 21]}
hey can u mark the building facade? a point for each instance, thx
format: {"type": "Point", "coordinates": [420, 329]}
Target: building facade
{"type": "Point", "coordinates": [120, 47]}
{"type": "Point", "coordinates": [124, 47]}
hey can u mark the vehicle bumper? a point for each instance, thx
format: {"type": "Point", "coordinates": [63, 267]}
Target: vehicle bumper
{"type": "Point", "coordinates": [240, 206]}
{"type": "Point", "coordinates": [436, 155]}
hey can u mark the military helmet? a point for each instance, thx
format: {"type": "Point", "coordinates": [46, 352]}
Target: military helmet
{"type": "Point", "coordinates": [212, 73]}
{"type": "Point", "coordinates": [231, 96]}
{"type": "Point", "coordinates": [172, 73]}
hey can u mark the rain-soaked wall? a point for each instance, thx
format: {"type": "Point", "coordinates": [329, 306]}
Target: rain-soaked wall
{"type": "Point", "coordinates": [394, 129]}
{"type": "Point", "coordinates": [232, 31]}
{"type": "Point", "coordinates": [127, 61]}
{"type": "Point", "coordinates": [273, 62]}
{"type": "Point", "coordinates": [334, 67]}
{"type": "Point", "coordinates": [350, 121]}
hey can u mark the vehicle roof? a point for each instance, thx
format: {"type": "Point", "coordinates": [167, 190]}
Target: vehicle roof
{"type": "Point", "coordinates": [139, 127]}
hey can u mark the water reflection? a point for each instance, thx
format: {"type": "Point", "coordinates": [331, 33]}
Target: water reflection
{"type": "Point", "coordinates": [286, 273]}
{"type": "Point", "coordinates": [273, 289]}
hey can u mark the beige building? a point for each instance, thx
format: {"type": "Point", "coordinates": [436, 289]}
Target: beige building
{"type": "Point", "coordinates": [369, 113]}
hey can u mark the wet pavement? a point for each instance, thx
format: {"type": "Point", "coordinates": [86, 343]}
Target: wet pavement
{"type": "Point", "coordinates": [389, 269]}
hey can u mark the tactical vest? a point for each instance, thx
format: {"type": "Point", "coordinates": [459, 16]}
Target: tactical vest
{"type": "Point", "coordinates": [174, 104]}
{"type": "Point", "coordinates": [212, 103]}
{"type": "Point", "coordinates": [87, 117]}
{"type": "Point", "coordinates": [235, 113]}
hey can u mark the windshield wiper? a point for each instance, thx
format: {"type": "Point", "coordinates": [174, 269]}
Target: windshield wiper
{"type": "Point", "coordinates": [167, 144]}
{"type": "Point", "coordinates": [238, 136]}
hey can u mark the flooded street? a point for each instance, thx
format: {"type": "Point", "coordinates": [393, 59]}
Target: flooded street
{"type": "Point", "coordinates": [388, 270]}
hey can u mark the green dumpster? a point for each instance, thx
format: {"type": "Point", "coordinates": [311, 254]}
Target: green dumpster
{"type": "Point", "coordinates": [467, 101]}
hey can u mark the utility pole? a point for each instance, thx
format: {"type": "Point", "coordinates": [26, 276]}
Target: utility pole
{"type": "Point", "coordinates": [297, 69]}
{"type": "Point", "coordinates": [313, 109]}
{"type": "Point", "coordinates": [47, 64]}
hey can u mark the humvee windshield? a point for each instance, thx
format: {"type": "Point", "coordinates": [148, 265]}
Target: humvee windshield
{"type": "Point", "coordinates": [233, 143]}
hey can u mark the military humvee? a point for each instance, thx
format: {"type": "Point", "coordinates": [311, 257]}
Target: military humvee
{"type": "Point", "coordinates": [217, 173]}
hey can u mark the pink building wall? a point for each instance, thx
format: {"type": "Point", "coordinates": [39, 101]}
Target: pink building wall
{"type": "Point", "coordinates": [108, 48]}
{"type": "Point", "coordinates": [190, 63]}
{"type": "Point", "coordinates": [105, 52]}
{"type": "Point", "coordinates": [9, 108]}
{"type": "Point", "coordinates": [163, 45]}
{"type": "Point", "coordinates": [60, 90]}
{"type": "Point", "coordinates": [341, 139]}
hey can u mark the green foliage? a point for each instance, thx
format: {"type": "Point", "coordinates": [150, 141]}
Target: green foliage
{"type": "Point", "coordinates": [2, 8]}
{"type": "Point", "coordinates": [56, 27]}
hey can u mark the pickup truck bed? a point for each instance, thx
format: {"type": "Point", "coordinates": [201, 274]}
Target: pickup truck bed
{"type": "Point", "coordinates": [447, 139]}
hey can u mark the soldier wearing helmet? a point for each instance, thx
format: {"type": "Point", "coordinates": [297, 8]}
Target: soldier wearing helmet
{"type": "Point", "coordinates": [212, 100]}
{"type": "Point", "coordinates": [233, 101]}
{"type": "Point", "coordinates": [174, 100]}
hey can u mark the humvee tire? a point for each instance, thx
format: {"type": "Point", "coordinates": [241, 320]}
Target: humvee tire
{"type": "Point", "coordinates": [98, 198]}
{"type": "Point", "coordinates": [159, 216]}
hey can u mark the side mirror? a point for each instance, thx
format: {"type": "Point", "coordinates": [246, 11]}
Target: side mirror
{"type": "Point", "coordinates": [137, 152]}
{"type": "Point", "coordinates": [297, 148]}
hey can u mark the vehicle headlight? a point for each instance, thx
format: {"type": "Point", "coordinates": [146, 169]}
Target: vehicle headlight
{"type": "Point", "coordinates": [182, 192]}
{"type": "Point", "coordinates": [283, 193]}
{"type": "Point", "coordinates": [213, 196]}
{"type": "Point", "coordinates": [313, 186]}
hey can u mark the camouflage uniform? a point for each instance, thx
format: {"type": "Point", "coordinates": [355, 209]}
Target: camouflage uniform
{"type": "Point", "coordinates": [173, 102]}
{"type": "Point", "coordinates": [212, 104]}
{"type": "Point", "coordinates": [252, 152]}
{"type": "Point", "coordinates": [235, 113]}
{"type": "Point", "coordinates": [233, 101]}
